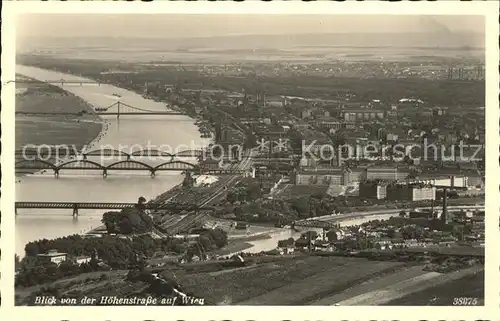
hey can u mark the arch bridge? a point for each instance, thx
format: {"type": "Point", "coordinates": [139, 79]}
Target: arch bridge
{"type": "Point", "coordinates": [47, 152]}
{"type": "Point", "coordinates": [125, 165]}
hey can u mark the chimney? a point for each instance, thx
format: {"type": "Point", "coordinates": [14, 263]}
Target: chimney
{"type": "Point", "coordinates": [444, 214]}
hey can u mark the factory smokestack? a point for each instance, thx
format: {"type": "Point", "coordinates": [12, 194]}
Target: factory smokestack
{"type": "Point", "coordinates": [444, 215]}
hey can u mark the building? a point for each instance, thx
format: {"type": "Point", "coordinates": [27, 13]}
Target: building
{"type": "Point", "coordinates": [53, 256]}
{"type": "Point", "coordinates": [21, 91]}
{"type": "Point", "coordinates": [473, 178]}
{"type": "Point", "coordinates": [329, 123]}
{"type": "Point", "coordinates": [373, 189]}
{"type": "Point", "coordinates": [333, 176]}
{"type": "Point", "coordinates": [356, 174]}
{"type": "Point", "coordinates": [442, 180]}
{"type": "Point", "coordinates": [392, 173]}
{"type": "Point", "coordinates": [362, 115]}
{"type": "Point", "coordinates": [211, 164]}
{"type": "Point", "coordinates": [391, 137]}
{"type": "Point", "coordinates": [82, 259]}
{"type": "Point", "coordinates": [412, 192]}
{"type": "Point", "coordinates": [305, 113]}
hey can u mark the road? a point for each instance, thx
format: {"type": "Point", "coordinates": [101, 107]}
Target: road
{"type": "Point", "coordinates": [341, 217]}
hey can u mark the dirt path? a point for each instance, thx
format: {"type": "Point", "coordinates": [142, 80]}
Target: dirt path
{"type": "Point", "coordinates": [334, 280]}
{"type": "Point", "coordinates": [372, 285]}
{"type": "Point", "coordinates": [395, 286]}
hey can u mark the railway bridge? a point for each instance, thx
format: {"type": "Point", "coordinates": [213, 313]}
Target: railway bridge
{"type": "Point", "coordinates": [75, 206]}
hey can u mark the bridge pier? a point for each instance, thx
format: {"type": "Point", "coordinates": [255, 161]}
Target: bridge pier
{"type": "Point", "coordinates": [153, 174]}
{"type": "Point", "coordinates": [75, 210]}
{"type": "Point", "coordinates": [104, 173]}
{"type": "Point", "coordinates": [56, 173]}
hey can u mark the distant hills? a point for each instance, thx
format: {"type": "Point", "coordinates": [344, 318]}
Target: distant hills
{"type": "Point", "coordinates": [437, 40]}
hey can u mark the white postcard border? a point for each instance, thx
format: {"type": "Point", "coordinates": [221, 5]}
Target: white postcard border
{"type": "Point", "coordinates": [492, 284]}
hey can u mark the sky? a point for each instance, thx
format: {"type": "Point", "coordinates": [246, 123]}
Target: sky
{"type": "Point", "coordinates": [189, 26]}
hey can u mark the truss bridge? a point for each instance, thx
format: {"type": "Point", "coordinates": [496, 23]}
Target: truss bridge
{"type": "Point", "coordinates": [75, 206]}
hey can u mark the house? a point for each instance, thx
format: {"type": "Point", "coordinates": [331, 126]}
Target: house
{"type": "Point", "coordinates": [336, 234]}
{"type": "Point", "coordinates": [79, 260]}
{"type": "Point", "coordinates": [384, 244]}
{"type": "Point", "coordinates": [303, 244]}
{"type": "Point", "coordinates": [323, 246]}
{"type": "Point", "coordinates": [53, 256]}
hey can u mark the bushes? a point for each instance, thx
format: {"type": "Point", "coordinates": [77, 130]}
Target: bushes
{"type": "Point", "coordinates": [127, 221]}
{"type": "Point", "coordinates": [210, 240]}
{"type": "Point", "coordinates": [45, 272]}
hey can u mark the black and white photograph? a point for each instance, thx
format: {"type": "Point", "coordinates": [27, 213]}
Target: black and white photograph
{"type": "Point", "coordinates": [250, 159]}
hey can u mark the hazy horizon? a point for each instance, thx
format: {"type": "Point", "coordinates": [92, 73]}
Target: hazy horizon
{"type": "Point", "coordinates": [197, 25]}
{"type": "Point", "coordinates": [166, 32]}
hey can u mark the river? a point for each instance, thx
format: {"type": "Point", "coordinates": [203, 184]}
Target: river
{"type": "Point", "coordinates": [128, 133]}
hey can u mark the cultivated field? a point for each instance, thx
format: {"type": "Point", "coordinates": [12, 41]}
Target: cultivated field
{"type": "Point", "coordinates": [286, 282]}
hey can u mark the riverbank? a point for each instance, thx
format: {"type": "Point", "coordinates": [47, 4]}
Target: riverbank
{"type": "Point", "coordinates": [73, 130]}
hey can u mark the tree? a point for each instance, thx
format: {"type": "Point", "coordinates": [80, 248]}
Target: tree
{"type": "Point", "coordinates": [127, 221]}
{"type": "Point", "coordinates": [231, 197]}
{"type": "Point", "coordinates": [17, 262]}
{"type": "Point", "coordinates": [206, 242]}
{"type": "Point", "coordinates": [188, 181]}
{"type": "Point", "coordinates": [301, 205]}
{"type": "Point", "coordinates": [253, 192]}
{"type": "Point", "coordinates": [238, 211]}
{"type": "Point", "coordinates": [28, 263]}
{"type": "Point", "coordinates": [332, 236]}
{"type": "Point", "coordinates": [219, 237]}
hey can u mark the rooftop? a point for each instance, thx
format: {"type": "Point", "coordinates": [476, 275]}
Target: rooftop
{"type": "Point", "coordinates": [52, 254]}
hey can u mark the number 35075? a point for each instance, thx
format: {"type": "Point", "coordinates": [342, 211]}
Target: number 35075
{"type": "Point", "coordinates": [465, 301]}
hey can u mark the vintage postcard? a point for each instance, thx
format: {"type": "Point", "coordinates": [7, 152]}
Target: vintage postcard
{"type": "Point", "coordinates": [250, 155]}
